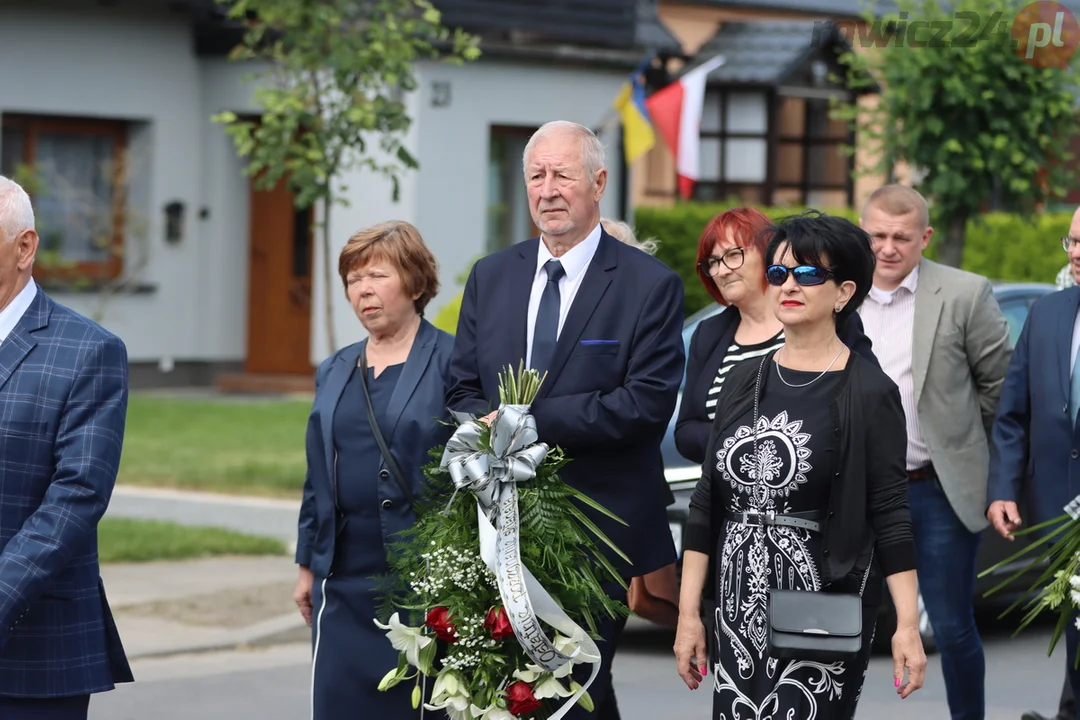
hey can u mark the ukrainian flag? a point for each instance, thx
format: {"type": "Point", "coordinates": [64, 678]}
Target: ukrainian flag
{"type": "Point", "coordinates": [638, 134]}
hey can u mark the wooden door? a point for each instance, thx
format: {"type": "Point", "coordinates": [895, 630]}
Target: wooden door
{"type": "Point", "coordinates": [279, 285]}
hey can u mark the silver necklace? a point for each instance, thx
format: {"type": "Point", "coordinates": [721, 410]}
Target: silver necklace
{"type": "Point", "coordinates": [781, 376]}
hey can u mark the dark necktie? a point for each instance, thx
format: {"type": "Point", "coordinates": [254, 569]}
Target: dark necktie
{"type": "Point", "coordinates": [546, 330]}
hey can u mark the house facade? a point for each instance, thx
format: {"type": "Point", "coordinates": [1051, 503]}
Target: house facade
{"type": "Point", "coordinates": [150, 226]}
{"type": "Point", "coordinates": [766, 133]}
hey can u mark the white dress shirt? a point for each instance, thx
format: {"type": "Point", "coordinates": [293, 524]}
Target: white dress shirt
{"type": "Point", "coordinates": [10, 315]}
{"type": "Point", "coordinates": [889, 321]}
{"type": "Point", "coordinates": [1075, 343]}
{"type": "Point", "coordinates": [575, 262]}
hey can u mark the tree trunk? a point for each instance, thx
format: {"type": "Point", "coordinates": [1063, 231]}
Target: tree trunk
{"type": "Point", "coordinates": [951, 251]}
{"type": "Point", "coordinates": [328, 277]}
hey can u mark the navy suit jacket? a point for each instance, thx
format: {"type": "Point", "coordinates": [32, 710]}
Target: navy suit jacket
{"type": "Point", "coordinates": [1034, 457]}
{"type": "Point", "coordinates": [411, 430]}
{"type": "Point", "coordinates": [708, 345]}
{"type": "Point", "coordinates": [611, 388]}
{"type": "Point", "coordinates": [63, 404]}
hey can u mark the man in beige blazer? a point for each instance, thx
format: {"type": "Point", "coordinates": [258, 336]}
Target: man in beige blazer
{"type": "Point", "coordinates": [939, 334]}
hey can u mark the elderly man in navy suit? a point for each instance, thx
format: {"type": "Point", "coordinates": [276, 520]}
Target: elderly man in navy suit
{"type": "Point", "coordinates": [63, 400]}
{"type": "Point", "coordinates": [604, 320]}
{"type": "Point", "coordinates": [1036, 448]}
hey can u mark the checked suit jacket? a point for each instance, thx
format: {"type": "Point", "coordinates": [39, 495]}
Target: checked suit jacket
{"type": "Point", "coordinates": [63, 403]}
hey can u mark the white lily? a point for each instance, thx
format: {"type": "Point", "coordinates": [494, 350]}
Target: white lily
{"type": "Point", "coordinates": [408, 640]}
{"type": "Point", "coordinates": [492, 713]}
{"type": "Point", "coordinates": [573, 647]}
{"type": "Point", "coordinates": [450, 689]}
{"type": "Point", "coordinates": [530, 674]}
{"type": "Point", "coordinates": [550, 687]}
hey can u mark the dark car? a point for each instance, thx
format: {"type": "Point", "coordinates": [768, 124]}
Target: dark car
{"type": "Point", "coordinates": [1015, 300]}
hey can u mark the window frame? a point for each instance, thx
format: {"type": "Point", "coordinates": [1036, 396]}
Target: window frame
{"type": "Point", "coordinates": [31, 125]}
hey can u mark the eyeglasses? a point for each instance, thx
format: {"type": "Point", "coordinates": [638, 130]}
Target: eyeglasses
{"type": "Point", "coordinates": [732, 259]}
{"type": "Point", "coordinates": [804, 274]}
{"type": "Point", "coordinates": [1067, 241]}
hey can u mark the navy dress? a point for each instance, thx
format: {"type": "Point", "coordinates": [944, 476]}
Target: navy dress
{"type": "Point", "coordinates": [351, 653]}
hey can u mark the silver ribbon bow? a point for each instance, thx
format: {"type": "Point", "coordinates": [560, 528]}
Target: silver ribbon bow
{"type": "Point", "coordinates": [493, 476]}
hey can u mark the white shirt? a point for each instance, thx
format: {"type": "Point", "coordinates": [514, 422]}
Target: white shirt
{"type": "Point", "coordinates": [1075, 343]}
{"type": "Point", "coordinates": [10, 316]}
{"type": "Point", "coordinates": [575, 262]}
{"type": "Point", "coordinates": [889, 321]}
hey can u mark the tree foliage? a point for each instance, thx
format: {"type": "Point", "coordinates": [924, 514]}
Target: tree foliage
{"type": "Point", "coordinates": [336, 73]}
{"type": "Point", "coordinates": [984, 127]}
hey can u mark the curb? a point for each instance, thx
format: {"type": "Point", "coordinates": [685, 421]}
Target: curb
{"type": "Point", "coordinates": [282, 630]}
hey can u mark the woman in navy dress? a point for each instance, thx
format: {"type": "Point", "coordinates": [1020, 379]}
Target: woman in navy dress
{"type": "Point", "coordinates": [353, 501]}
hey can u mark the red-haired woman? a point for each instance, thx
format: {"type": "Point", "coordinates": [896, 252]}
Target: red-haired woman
{"type": "Point", "coordinates": [731, 266]}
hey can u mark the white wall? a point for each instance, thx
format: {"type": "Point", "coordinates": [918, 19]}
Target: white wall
{"type": "Point", "coordinates": [134, 61]}
{"type": "Point", "coordinates": [116, 62]}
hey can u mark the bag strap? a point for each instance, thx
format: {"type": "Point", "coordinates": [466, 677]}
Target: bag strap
{"type": "Point", "coordinates": [377, 431]}
{"type": "Point", "coordinates": [757, 395]}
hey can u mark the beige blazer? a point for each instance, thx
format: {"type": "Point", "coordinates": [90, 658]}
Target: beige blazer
{"type": "Point", "coordinates": [960, 353]}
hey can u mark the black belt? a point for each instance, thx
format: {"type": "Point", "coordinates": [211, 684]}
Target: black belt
{"type": "Point", "coordinates": [926, 472]}
{"type": "Point", "coordinates": [802, 520]}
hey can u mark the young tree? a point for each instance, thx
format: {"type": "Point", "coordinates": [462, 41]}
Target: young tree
{"type": "Point", "coordinates": [974, 99]}
{"type": "Point", "coordinates": [334, 83]}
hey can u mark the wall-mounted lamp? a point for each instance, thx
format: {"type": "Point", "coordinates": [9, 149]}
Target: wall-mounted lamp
{"type": "Point", "coordinates": [174, 222]}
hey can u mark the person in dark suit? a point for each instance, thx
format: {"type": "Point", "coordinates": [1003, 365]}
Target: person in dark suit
{"type": "Point", "coordinates": [1035, 436]}
{"type": "Point", "coordinates": [63, 404]}
{"type": "Point", "coordinates": [355, 496]}
{"type": "Point", "coordinates": [604, 321]}
{"type": "Point", "coordinates": [731, 266]}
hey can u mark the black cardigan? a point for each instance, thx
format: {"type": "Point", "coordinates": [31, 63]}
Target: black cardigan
{"type": "Point", "coordinates": [709, 344]}
{"type": "Point", "coordinates": [868, 501]}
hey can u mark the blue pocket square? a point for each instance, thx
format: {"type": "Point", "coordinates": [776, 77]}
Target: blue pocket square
{"type": "Point", "coordinates": [599, 342]}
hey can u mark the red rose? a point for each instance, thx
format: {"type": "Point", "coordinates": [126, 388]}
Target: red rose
{"type": "Point", "coordinates": [520, 700]}
{"type": "Point", "coordinates": [439, 621]}
{"type": "Point", "coordinates": [497, 623]}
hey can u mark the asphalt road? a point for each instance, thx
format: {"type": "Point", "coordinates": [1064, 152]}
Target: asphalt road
{"type": "Point", "coordinates": [272, 684]}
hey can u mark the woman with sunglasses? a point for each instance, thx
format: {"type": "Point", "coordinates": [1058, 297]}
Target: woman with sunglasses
{"type": "Point", "coordinates": [731, 266]}
{"type": "Point", "coordinates": [804, 489]}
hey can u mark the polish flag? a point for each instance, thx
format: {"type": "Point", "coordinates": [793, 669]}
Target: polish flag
{"type": "Point", "coordinates": [676, 113]}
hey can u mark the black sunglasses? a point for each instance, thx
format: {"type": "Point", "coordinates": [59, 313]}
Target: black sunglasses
{"type": "Point", "coordinates": [804, 274]}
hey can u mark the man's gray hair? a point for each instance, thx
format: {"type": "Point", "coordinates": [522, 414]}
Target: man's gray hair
{"type": "Point", "coordinates": [16, 212]}
{"type": "Point", "coordinates": [592, 150]}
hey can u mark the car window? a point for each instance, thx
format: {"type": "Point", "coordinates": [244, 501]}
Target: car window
{"type": "Point", "coordinates": [1015, 312]}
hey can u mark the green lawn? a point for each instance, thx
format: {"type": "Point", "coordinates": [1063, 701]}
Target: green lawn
{"type": "Point", "coordinates": [126, 540]}
{"type": "Point", "coordinates": [230, 445]}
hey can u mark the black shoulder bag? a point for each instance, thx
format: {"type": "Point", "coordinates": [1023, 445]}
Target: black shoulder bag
{"type": "Point", "coordinates": [377, 431]}
{"type": "Point", "coordinates": [811, 625]}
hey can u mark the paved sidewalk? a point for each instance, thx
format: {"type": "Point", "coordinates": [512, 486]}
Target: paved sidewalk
{"type": "Point", "coordinates": [168, 608]}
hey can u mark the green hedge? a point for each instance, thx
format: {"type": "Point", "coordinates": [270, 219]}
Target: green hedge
{"type": "Point", "coordinates": [998, 246]}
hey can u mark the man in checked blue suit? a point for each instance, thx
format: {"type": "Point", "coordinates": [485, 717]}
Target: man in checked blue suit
{"type": "Point", "coordinates": [63, 401]}
{"type": "Point", "coordinates": [604, 320]}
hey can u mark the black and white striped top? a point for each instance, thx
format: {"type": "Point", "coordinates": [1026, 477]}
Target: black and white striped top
{"type": "Point", "coordinates": [735, 354]}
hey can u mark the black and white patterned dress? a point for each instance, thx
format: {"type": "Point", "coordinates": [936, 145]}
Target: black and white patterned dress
{"type": "Point", "coordinates": [797, 447]}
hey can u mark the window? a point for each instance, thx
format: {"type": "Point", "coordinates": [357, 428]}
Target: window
{"type": "Point", "coordinates": [760, 147]}
{"type": "Point", "coordinates": [734, 148]}
{"type": "Point", "coordinates": [508, 218]}
{"type": "Point", "coordinates": [74, 171]}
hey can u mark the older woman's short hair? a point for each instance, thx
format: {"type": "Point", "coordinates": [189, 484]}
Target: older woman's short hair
{"type": "Point", "coordinates": [833, 243]}
{"type": "Point", "coordinates": [401, 245]}
{"type": "Point", "coordinates": [749, 229]}
{"type": "Point", "coordinates": [625, 234]}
